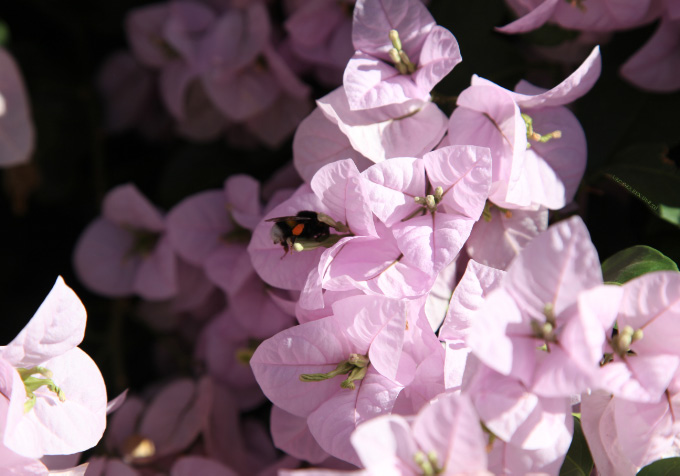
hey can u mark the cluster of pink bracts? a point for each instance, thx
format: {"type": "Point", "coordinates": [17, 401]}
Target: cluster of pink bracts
{"type": "Point", "coordinates": [442, 327]}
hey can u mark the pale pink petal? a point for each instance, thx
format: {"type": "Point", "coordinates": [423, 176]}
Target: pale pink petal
{"type": "Point", "coordinates": [291, 434]}
{"type": "Point", "coordinates": [197, 224]}
{"type": "Point", "coordinates": [386, 443]}
{"type": "Point", "coordinates": [57, 327]}
{"type": "Point", "coordinates": [318, 141]}
{"type": "Point", "coordinates": [16, 126]}
{"type": "Point", "coordinates": [117, 402]}
{"type": "Point", "coordinates": [575, 267]}
{"type": "Point", "coordinates": [14, 464]}
{"type": "Point", "coordinates": [468, 296]}
{"type": "Point", "coordinates": [370, 83]}
{"type": "Point", "coordinates": [642, 379]}
{"type": "Point", "coordinates": [652, 303]}
{"type": "Point", "coordinates": [505, 458]}
{"type": "Point", "coordinates": [489, 117]}
{"type": "Point", "coordinates": [477, 282]}
{"type": "Point", "coordinates": [341, 188]}
{"type": "Point", "coordinates": [156, 277]}
{"type": "Point", "coordinates": [464, 173]}
{"type": "Point", "coordinates": [392, 187]}
{"type": "Point", "coordinates": [439, 297]}
{"type": "Point", "coordinates": [375, 266]}
{"type": "Point", "coordinates": [440, 54]}
{"type": "Point", "coordinates": [278, 363]}
{"type": "Point", "coordinates": [12, 398]}
{"type": "Point", "coordinates": [497, 242]}
{"type": "Point", "coordinates": [450, 427]}
{"type": "Point", "coordinates": [334, 420]}
{"type": "Point", "coordinates": [124, 205]}
{"type": "Point", "coordinates": [532, 20]}
{"type": "Point", "coordinates": [576, 85]}
{"type": "Point", "coordinates": [431, 242]}
{"type": "Point", "coordinates": [599, 428]}
{"type": "Point", "coordinates": [103, 261]}
{"type": "Point", "coordinates": [655, 427]}
{"type": "Point", "coordinates": [554, 169]}
{"type": "Point", "coordinates": [403, 130]}
{"type": "Point", "coordinates": [487, 335]}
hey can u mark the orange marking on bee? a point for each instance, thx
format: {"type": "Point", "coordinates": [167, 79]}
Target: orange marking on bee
{"type": "Point", "coordinates": [297, 230]}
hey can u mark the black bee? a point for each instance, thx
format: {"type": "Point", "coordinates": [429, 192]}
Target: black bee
{"type": "Point", "coordinates": [304, 225]}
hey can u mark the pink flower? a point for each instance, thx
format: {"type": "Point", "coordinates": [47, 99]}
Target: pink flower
{"type": "Point", "coordinates": [362, 340]}
{"type": "Point", "coordinates": [539, 326]}
{"type": "Point", "coordinates": [537, 146]}
{"type": "Point", "coordinates": [65, 411]}
{"type": "Point", "coordinates": [401, 54]}
{"type": "Point", "coordinates": [126, 251]}
{"type": "Point", "coordinates": [431, 233]}
{"type": "Point", "coordinates": [642, 357]}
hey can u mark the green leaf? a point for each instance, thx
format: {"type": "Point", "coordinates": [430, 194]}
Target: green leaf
{"type": "Point", "coordinates": [633, 262]}
{"type": "Point", "coordinates": [578, 462]}
{"type": "Point", "coordinates": [662, 467]}
{"type": "Point", "coordinates": [646, 172]}
{"type": "Point", "coordinates": [670, 214]}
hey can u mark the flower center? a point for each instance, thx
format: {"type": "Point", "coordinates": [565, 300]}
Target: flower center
{"type": "Point", "coordinates": [398, 55]}
{"type": "Point", "coordinates": [535, 136]}
{"type": "Point", "coordinates": [545, 331]}
{"type": "Point", "coordinates": [621, 342]}
{"type": "Point", "coordinates": [143, 243]}
{"type": "Point", "coordinates": [354, 367]}
{"type": "Point", "coordinates": [428, 463]}
{"type": "Point", "coordinates": [33, 383]}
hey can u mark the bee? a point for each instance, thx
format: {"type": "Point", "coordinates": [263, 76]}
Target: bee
{"type": "Point", "coordinates": [305, 225]}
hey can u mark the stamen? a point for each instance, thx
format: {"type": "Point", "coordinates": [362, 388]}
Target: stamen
{"type": "Point", "coordinates": [356, 366]}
